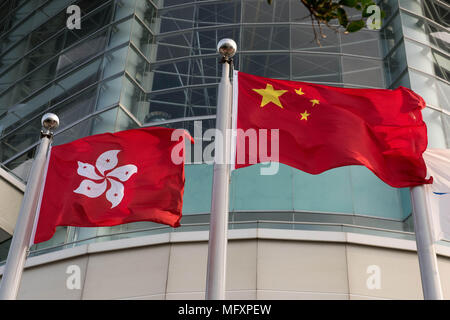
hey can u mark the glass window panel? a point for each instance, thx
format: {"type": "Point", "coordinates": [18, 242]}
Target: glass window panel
{"type": "Point", "coordinates": [302, 39]}
{"type": "Point", "coordinates": [168, 76]}
{"type": "Point", "coordinates": [142, 38]}
{"type": "Point", "coordinates": [266, 65]}
{"type": "Point", "coordinates": [68, 112]}
{"type": "Point", "coordinates": [414, 27]}
{"type": "Point", "coordinates": [253, 191]}
{"type": "Point", "coordinates": [177, 19]}
{"type": "Point", "coordinates": [373, 197]}
{"type": "Point", "coordinates": [204, 71]}
{"type": "Point", "coordinates": [435, 128]}
{"type": "Point", "coordinates": [124, 8]}
{"type": "Point", "coordinates": [218, 13]}
{"type": "Point", "coordinates": [315, 67]}
{"type": "Point", "coordinates": [120, 33]}
{"type": "Point", "coordinates": [197, 102]}
{"type": "Point", "coordinates": [90, 23]}
{"type": "Point", "coordinates": [109, 92]}
{"type": "Point", "coordinates": [443, 92]}
{"type": "Point", "coordinates": [309, 191]}
{"type": "Point", "coordinates": [147, 13]}
{"type": "Point", "coordinates": [58, 238]}
{"type": "Point", "coordinates": [46, 51]}
{"type": "Point", "coordinates": [426, 86]}
{"type": "Point", "coordinates": [81, 52]}
{"type": "Point", "coordinates": [391, 35]}
{"type": "Point", "coordinates": [179, 45]}
{"type": "Point", "coordinates": [420, 30]}
{"type": "Point", "coordinates": [197, 192]}
{"type": "Point", "coordinates": [160, 111]}
{"type": "Point", "coordinates": [446, 120]}
{"type": "Point", "coordinates": [138, 68]}
{"type": "Point", "coordinates": [13, 54]}
{"type": "Point", "coordinates": [134, 99]}
{"type": "Point", "coordinates": [75, 108]}
{"type": "Point", "coordinates": [77, 80]}
{"type": "Point", "coordinates": [124, 122]}
{"type": "Point", "coordinates": [298, 12]}
{"type": "Point", "coordinates": [261, 11]}
{"type": "Point", "coordinates": [265, 38]}
{"type": "Point", "coordinates": [364, 72]}
{"type": "Point", "coordinates": [419, 57]}
{"type": "Point", "coordinates": [389, 7]}
{"type": "Point", "coordinates": [441, 65]}
{"type": "Point", "coordinates": [114, 62]}
{"type": "Point", "coordinates": [395, 64]}
{"type": "Point", "coordinates": [101, 123]}
{"type": "Point", "coordinates": [362, 43]}
{"type": "Point", "coordinates": [39, 77]}
{"type": "Point", "coordinates": [19, 113]}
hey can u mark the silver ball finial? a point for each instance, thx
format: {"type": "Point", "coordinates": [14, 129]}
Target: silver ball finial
{"type": "Point", "coordinates": [50, 121]}
{"type": "Point", "coordinates": [226, 48]}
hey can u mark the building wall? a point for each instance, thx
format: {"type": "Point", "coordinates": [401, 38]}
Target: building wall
{"type": "Point", "coordinates": [11, 191]}
{"type": "Point", "coordinates": [262, 264]}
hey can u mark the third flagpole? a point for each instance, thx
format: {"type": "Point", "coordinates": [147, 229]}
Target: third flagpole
{"type": "Point", "coordinates": [431, 284]}
{"type": "Point", "coordinates": [218, 227]}
{"type": "Point", "coordinates": [18, 250]}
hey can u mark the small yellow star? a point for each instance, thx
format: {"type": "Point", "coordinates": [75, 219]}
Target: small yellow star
{"type": "Point", "coordinates": [269, 94]}
{"type": "Point", "coordinates": [314, 102]}
{"type": "Point", "coordinates": [299, 92]}
{"type": "Point", "coordinates": [305, 115]}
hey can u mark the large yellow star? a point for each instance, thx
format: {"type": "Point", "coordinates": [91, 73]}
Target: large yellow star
{"type": "Point", "coordinates": [305, 115]}
{"type": "Point", "coordinates": [269, 94]}
{"type": "Point", "coordinates": [314, 102]}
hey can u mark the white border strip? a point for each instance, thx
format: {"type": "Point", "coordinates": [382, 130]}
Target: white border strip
{"type": "Point", "coordinates": [234, 112]}
{"type": "Point", "coordinates": [41, 193]}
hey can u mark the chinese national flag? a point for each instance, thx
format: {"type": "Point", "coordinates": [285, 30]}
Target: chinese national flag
{"type": "Point", "coordinates": [323, 127]}
{"type": "Point", "coordinates": [111, 179]}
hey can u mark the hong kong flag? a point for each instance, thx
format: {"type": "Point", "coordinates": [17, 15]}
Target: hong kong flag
{"type": "Point", "coordinates": [111, 179]}
{"type": "Point", "coordinates": [323, 127]}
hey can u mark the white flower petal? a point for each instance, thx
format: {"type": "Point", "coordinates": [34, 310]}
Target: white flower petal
{"type": "Point", "coordinates": [107, 161]}
{"type": "Point", "coordinates": [87, 170]}
{"type": "Point", "coordinates": [115, 193]}
{"type": "Point", "coordinates": [91, 189]}
{"type": "Point", "coordinates": [123, 173]}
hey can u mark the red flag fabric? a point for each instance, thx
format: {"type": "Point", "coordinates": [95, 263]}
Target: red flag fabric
{"type": "Point", "coordinates": [111, 179]}
{"type": "Point", "coordinates": [323, 127]}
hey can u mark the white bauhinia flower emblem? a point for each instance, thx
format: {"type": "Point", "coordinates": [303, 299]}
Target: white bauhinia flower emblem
{"type": "Point", "coordinates": [106, 161]}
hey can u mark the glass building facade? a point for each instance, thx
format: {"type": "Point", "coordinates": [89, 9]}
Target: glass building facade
{"type": "Point", "coordinates": [137, 63]}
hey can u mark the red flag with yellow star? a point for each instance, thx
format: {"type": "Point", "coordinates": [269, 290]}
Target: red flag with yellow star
{"type": "Point", "coordinates": [322, 127]}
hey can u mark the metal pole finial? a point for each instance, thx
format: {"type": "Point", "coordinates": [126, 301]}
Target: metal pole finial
{"type": "Point", "coordinates": [227, 49]}
{"type": "Point", "coordinates": [50, 122]}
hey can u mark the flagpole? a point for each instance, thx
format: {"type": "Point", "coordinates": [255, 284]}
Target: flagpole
{"type": "Point", "coordinates": [218, 226]}
{"type": "Point", "coordinates": [431, 283]}
{"type": "Point", "coordinates": [12, 274]}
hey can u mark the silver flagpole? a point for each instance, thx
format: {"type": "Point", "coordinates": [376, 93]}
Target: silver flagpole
{"type": "Point", "coordinates": [9, 286]}
{"type": "Point", "coordinates": [431, 283]}
{"type": "Point", "coordinates": [218, 227]}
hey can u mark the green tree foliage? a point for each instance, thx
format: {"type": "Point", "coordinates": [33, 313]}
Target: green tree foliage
{"type": "Point", "coordinates": [324, 11]}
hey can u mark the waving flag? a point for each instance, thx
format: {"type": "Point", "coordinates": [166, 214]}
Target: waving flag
{"type": "Point", "coordinates": [110, 179]}
{"type": "Point", "coordinates": [438, 193]}
{"type": "Point", "coordinates": [322, 127]}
